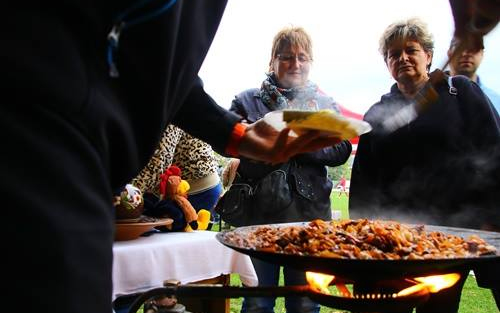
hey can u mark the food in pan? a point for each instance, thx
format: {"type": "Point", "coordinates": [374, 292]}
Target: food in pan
{"type": "Point", "coordinates": [360, 239]}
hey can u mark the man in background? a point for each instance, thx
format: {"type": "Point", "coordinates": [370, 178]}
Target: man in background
{"type": "Point", "coordinates": [466, 63]}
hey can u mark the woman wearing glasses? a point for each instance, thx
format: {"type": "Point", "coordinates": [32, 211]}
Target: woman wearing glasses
{"type": "Point", "coordinates": [287, 87]}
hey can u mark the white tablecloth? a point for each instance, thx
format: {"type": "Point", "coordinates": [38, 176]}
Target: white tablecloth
{"type": "Point", "coordinates": [144, 263]}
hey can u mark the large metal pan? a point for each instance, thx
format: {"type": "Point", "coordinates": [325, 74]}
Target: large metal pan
{"type": "Point", "coordinates": [356, 269]}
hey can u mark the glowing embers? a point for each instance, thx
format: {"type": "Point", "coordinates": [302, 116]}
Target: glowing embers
{"type": "Point", "coordinates": [390, 289]}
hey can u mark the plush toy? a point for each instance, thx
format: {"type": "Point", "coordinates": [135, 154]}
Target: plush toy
{"type": "Point", "coordinates": [204, 220]}
{"type": "Point", "coordinates": [129, 203]}
{"type": "Point", "coordinates": [174, 202]}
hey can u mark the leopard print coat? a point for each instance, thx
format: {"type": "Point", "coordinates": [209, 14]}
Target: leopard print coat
{"type": "Point", "coordinates": [194, 157]}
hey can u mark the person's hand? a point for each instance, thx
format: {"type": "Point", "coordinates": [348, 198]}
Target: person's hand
{"type": "Point", "coordinates": [263, 142]}
{"type": "Point", "coordinates": [474, 19]}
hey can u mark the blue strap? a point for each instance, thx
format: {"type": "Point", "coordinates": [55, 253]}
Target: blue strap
{"type": "Point", "coordinates": [121, 23]}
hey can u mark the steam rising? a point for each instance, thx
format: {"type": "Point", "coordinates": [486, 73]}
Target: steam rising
{"type": "Point", "coordinates": [391, 116]}
{"type": "Point", "coordinates": [457, 186]}
{"type": "Point", "coordinates": [401, 117]}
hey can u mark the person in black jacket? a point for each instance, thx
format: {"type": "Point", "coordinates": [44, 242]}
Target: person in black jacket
{"type": "Point", "coordinates": [433, 155]}
{"type": "Point", "coordinates": [287, 87]}
{"type": "Point", "coordinates": [88, 88]}
{"type": "Point", "coordinates": [430, 158]}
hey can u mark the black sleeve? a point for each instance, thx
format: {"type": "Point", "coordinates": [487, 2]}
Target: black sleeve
{"type": "Point", "coordinates": [331, 156]}
{"type": "Point", "coordinates": [363, 188]}
{"type": "Point", "coordinates": [199, 110]}
{"type": "Point", "coordinates": [238, 108]}
{"type": "Point", "coordinates": [483, 128]}
{"type": "Point", "coordinates": [483, 121]}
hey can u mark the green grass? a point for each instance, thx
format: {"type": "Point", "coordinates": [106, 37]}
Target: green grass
{"type": "Point", "coordinates": [340, 203]}
{"type": "Point", "coordinates": [474, 299]}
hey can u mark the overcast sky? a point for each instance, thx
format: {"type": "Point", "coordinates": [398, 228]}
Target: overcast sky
{"type": "Point", "coordinates": [345, 34]}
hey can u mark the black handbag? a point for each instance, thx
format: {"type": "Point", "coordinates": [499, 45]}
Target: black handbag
{"type": "Point", "coordinates": [234, 207]}
{"type": "Point", "coordinates": [250, 203]}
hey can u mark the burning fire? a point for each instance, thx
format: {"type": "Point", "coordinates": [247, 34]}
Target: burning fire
{"type": "Point", "coordinates": [319, 282]}
{"type": "Point", "coordinates": [431, 283]}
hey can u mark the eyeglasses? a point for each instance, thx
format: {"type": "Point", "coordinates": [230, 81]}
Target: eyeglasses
{"type": "Point", "coordinates": [287, 58]}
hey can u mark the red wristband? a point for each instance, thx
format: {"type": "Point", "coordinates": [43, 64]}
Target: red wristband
{"type": "Point", "coordinates": [235, 140]}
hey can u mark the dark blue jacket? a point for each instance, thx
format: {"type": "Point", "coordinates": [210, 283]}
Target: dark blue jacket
{"type": "Point", "coordinates": [308, 178]}
{"type": "Point", "coordinates": [441, 168]}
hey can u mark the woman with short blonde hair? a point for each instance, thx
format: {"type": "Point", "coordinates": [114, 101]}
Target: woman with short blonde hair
{"type": "Point", "coordinates": [435, 145]}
